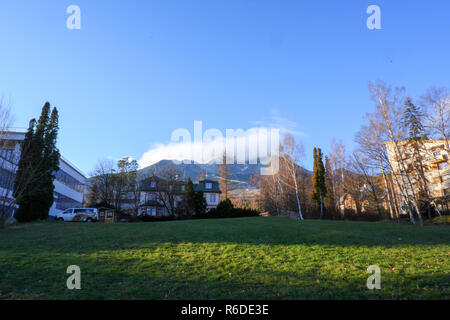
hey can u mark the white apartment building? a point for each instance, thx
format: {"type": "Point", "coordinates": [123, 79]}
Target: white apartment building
{"type": "Point", "coordinates": [69, 181]}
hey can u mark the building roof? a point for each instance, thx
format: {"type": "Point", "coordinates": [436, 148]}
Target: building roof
{"type": "Point", "coordinates": [201, 186]}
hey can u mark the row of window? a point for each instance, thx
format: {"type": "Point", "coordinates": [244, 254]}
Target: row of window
{"type": "Point", "coordinates": [69, 181]}
{"type": "Point", "coordinates": [210, 198]}
{"type": "Point", "coordinates": [62, 202]}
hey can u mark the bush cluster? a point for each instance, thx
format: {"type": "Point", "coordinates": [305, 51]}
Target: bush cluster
{"type": "Point", "coordinates": [225, 209]}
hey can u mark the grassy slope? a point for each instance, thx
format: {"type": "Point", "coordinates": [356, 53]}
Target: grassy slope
{"type": "Point", "coordinates": [250, 258]}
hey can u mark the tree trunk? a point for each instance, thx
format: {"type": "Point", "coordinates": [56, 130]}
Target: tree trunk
{"type": "Point", "coordinates": [321, 206]}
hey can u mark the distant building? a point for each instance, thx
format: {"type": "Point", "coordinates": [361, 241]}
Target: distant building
{"type": "Point", "coordinates": [152, 196]}
{"type": "Point", "coordinates": [435, 165]}
{"type": "Point", "coordinates": [363, 201]}
{"type": "Point", "coordinates": [211, 192]}
{"type": "Point", "coordinates": [69, 181]}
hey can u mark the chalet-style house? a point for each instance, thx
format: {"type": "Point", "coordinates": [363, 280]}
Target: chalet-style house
{"type": "Point", "coordinates": [157, 197]}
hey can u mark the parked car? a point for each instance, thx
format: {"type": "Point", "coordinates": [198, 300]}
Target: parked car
{"type": "Point", "coordinates": [78, 214]}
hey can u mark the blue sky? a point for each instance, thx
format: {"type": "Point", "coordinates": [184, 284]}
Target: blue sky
{"type": "Point", "coordinates": [137, 70]}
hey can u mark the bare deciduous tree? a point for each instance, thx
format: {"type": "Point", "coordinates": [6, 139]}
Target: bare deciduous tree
{"type": "Point", "coordinates": [167, 188]}
{"type": "Point", "coordinates": [437, 103]}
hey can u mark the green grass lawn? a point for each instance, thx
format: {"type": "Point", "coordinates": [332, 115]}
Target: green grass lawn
{"type": "Point", "coordinates": [248, 258]}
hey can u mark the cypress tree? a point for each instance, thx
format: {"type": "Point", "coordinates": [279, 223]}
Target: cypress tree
{"type": "Point", "coordinates": [22, 182]}
{"type": "Point", "coordinates": [189, 197]}
{"type": "Point", "coordinates": [50, 163]}
{"type": "Point", "coordinates": [37, 166]}
{"type": "Point", "coordinates": [319, 187]}
{"type": "Point", "coordinates": [39, 197]}
{"type": "Point", "coordinates": [199, 203]}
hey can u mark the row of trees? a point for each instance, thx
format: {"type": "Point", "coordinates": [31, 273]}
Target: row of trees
{"type": "Point", "coordinates": [368, 174]}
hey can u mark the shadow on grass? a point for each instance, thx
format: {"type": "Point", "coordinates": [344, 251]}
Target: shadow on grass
{"type": "Point", "coordinates": [266, 231]}
{"type": "Point", "coordinates": [250, 258]}
{"type": "Point", "coordinates": [117, 278]}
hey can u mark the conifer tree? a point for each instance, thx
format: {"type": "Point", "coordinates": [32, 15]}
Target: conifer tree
{"type": "Point", "coordinates": [189, 197]}
{"type": "Point", "coordinates": [50, 163]}
{"type": "Point", "coordinates": [412, 121]}
{"type": "Point", "coordinates": [319, 187]}
{"type": "Point", "coordinates": [22, 182]}
{"type": "Point", "coordinates": [37, 166]}
{"type": "Point", "coordinates": [199, 203]}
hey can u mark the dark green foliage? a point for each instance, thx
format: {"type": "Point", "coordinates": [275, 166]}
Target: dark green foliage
{"type": "Point", "coordinates": [412, 121]}
{"type": "Point", "coordinates": [194, 202]}
{"type": "Point", "coordinates": [22, 186]}
{"type": "Point", "coordinates": [189, 198]}
{"type": "Point", "coordinates": [319, 186]}
{"type": "Point", "coordinates": [225, 208]}
{"type": "Point", "coordinates": [199, 203]}
{"type": "Point", "coordinates": [37, 166]}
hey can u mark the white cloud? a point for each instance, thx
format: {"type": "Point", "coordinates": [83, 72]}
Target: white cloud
{"type": "Point", "coordinates": [211, 149]}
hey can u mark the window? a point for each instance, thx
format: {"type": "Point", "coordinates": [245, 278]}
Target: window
{"type": "Point", "coordinates": [212, 198]}
{"type": "Point", "coordinates": [437, 154]}
{"type": "Point", "coordinates": [208, 185]}
{"type": "Point", "coordinates": [443, 165]}
{"type": "Point", "coordinates": [153, 184]}
{"type": "Point", "coordinates": [183, 188]}
{"type": "Point", "coordinates": [69, 181]}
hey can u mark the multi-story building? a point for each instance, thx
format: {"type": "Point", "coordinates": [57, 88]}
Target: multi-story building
{"type": "Point", "coordinates": [69, 181]}
{"type": "Point", "coordinates": [154, 198]}
{"type": "Point", "coordinates": [436, 168]}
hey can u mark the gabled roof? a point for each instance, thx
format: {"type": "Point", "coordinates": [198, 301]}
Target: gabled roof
{"type": "Point", "coordinates": [201, 186]}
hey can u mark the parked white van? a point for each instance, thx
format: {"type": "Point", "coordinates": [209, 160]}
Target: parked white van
{"type": "Point", "coordinates": [78, 214]}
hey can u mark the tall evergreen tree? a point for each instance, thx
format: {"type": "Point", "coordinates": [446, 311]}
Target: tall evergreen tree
{"type": "Point", "coordinates": [189, 197]}
{"type": "Point", "coordinates": [38, 164]}
{"type": "Point", "coordinates": [200, 204]}
{"type": "Point", "coordinates": [319, 187]}
{"type": "Point", "coordinates": [22, 182]}
{"type": "Point", "coordinates": [50, 163]}
{"type": "Point", "coordinates": [413, 121]}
